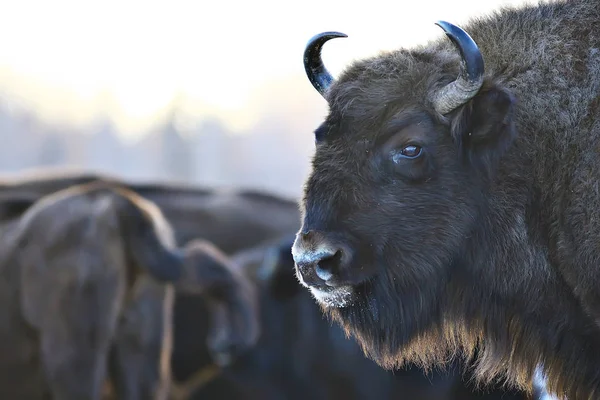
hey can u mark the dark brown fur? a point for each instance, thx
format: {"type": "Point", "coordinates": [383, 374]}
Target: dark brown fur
{"type": "Point", "coordinates": [492, 237]}
{"type": "Point", "coordinates": [87, 275]}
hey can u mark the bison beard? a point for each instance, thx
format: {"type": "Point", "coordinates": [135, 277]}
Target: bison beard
{"type": "Point", "coordinates": [452, 210]}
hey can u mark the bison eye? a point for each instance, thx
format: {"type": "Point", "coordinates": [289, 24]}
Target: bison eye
{"type": "Point", "coordinates": [409, 152]}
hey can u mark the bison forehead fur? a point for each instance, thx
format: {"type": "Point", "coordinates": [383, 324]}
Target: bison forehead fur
{"type": "Point", "coordinates": [490, 238]}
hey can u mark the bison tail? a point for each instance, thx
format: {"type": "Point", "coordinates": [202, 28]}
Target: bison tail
{"type": "Point", "coordinates": [148, 238]}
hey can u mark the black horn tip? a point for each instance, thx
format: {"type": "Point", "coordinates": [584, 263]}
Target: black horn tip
{"type": "Point", "coordinates": [468, 50]}
{"type": "Point", "coordinates": [325, 36]}
{"type": "Point", "coordinates": [318, 75]}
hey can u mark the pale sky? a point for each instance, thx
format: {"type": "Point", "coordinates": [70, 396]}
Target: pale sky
{"type": "Point", "coordinates": [76, 59]}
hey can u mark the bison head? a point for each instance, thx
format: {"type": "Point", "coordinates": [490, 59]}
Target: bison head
{"type": "Point", "coordinates": [403, 160]}
{"type": "Point", "coordinates": [230, 296]}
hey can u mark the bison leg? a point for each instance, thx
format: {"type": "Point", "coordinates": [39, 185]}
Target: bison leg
{"type": "Point", "coordinates": [141, 350]}
{"type": "Point", "coordinates": [75, 339]}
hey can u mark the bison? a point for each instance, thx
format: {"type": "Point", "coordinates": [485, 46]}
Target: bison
{"type": "Point", "coordinates": [88, 280]}
{"type": "Point", "coordinates": [453, 198]}
{"type": "Point", "coordinates": [230, 220]}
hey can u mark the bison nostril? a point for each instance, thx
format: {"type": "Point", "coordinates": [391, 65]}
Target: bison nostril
{"type": "Point", "coordinates": [323, 273]}
{"type": "Point", "coordinates": [326, 266]}
{"type": "Point", "coordinates": [317, 266]}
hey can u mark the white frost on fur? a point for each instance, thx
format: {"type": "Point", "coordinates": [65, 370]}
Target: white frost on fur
{"type": "Point", "coordinates": [338, 297]}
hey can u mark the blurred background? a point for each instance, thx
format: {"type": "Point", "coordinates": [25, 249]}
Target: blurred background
{"type": "Point", "coordinates": [205, 92]}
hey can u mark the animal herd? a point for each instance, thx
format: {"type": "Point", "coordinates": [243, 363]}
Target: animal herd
{"type": "Point", "coordinates": [446, 244]}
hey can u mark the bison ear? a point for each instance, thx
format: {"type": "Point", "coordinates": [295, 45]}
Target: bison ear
{"type": "Point", "coordinates": [484, 128]}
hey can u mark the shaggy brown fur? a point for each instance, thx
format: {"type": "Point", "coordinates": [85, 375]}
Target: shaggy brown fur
{"type": "Point", "coordinates": [491, 236]}
{"type": "Point", "coordinates": [87, 275]}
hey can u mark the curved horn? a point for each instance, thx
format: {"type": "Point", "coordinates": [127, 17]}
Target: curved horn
{"type": "Point", "coordinates": [470, 78]}
{"type": "Point", "coordinates": [317, 74]}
